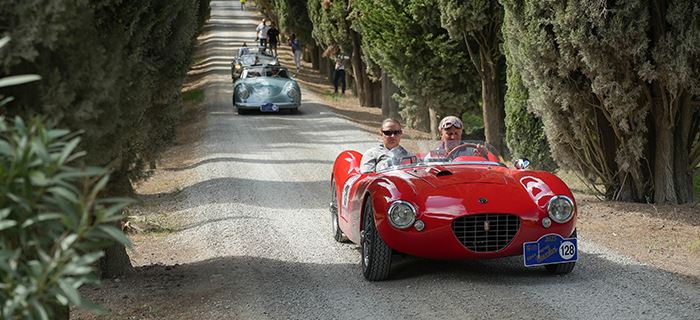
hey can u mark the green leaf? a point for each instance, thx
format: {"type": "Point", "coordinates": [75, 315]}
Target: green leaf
{"type": "Point", "coordinates": [74, 269]}
{"type": "Point", "coordinates": [6, 149]}
{"type": "Point", "coordinates": [39, 179]}
{"type": "Point", "coordinates": [64, 193]}
{"type": "Point", "coordinates": [115, 234]}
{"type": "Point", "coordinates": [91, 257]}
{"type": "Point", "coordinates": [69, 291]}
{"type": "Point", "coordinates": [4, 213]}
{"type": "Point", "coordinates": [40, 218]}
{"type": "Point", "coordinates": [40, 310]}
{"type": "Point", "coordinates": [68, 241]}
{"type": "Point", "coordinates": [15, 80]}
{"type": "Point", "coordinates": [99, 186]}
{"type": "Point", "coordinates": [5, 224]}
{"type": "Point", "coordinates": [56, 133]}
{"type": "Point", "coordinates": [68, 149]}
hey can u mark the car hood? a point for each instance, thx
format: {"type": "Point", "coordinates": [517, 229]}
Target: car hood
{"type": "Point", "coordinates": [439, 176]}
{"type": "Point", "coordinates": [459, 189]}
{"type": "Point", "coordinates": [266, 86]}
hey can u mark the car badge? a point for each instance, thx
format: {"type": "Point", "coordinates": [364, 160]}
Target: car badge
{"type": "Point", "coordinates": [487, 226]}
{"type": "Point", "coordinates": [483, 200]}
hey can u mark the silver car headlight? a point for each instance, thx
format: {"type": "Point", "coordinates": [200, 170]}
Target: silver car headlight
{"type": "Point", "coordinates": [402, 214]}
{"type": "Point", "coordinates": [560, 208]}
{"type": "Point", "coordinates": [243, 92]}
{"type": "Point", "coordinates": [291, 91]}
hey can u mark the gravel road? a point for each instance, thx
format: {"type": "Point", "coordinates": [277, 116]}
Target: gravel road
{"type": "Point", "coordinates": [260, 247]}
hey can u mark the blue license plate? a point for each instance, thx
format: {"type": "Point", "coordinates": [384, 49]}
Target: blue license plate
{"type": "Point", "coordinates": [269, 107]}
{"type": "Point", "coordinates": [549, 249]}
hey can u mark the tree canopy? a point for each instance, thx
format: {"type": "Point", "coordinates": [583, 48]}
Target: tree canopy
{"type": "Point", "coordinates": [405, 38]}
{"type": "Point", "coordinates": [617, 86]}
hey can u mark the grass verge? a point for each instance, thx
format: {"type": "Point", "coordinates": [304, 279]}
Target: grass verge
{"type": "Point", "coordinates": [193, 97]}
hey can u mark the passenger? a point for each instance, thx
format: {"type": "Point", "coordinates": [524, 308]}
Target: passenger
{"type": "Point", "coordinates": [243, 49]}
{"type": "Point", "coordinates": [379, 157]}
{"type": "Point", "coordinates": [450, 136]}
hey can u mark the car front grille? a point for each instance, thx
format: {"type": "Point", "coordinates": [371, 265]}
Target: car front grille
{"type": "Point", "coordinates": [488, 232]}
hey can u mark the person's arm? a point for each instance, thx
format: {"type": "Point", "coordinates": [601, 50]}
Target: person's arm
{"type": "Point", "coordinates": [368, 162]}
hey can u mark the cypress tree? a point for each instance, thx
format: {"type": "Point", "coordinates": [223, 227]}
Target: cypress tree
{"type": "Point", "coordinates": [617, 86]}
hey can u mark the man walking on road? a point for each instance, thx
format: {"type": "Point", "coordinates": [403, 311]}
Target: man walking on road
{"type": "Point", "coordinates": [243, 5]}
{"type": "Point", "coordinates": [262, 33]}
{"type": "Point", "coordinates": [272, 38]}
{"type": "Point", "coordinates": [296, 50]}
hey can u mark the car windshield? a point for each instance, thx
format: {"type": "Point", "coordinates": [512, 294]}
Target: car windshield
{"type": "Point", "coordinates": [442, 153]}
{"type": "Point", "coordinates": [248, 59]}
{"type": "Point", "coordinates": [265, 71]}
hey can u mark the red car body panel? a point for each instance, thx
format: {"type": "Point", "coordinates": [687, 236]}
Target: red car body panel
{"type": "Point", "coordinates": [442, 193]}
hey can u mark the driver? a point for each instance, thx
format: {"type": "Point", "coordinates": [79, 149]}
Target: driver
{"type": "Point", "coordinates": [380, 156]}
{"type": "Point", "coordinates": [450, 136]}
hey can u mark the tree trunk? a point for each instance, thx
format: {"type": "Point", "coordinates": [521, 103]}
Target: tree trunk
{"type": "Point", "coordinates": [315, 57]}
{"type": "Point", "coordinates": [116, 261]}
{"type": "Point", "coordinates": [377, 94]}
{"type": "Point", "coordinates": [358, 68]}
{"type": "Point", "coordinates": [323, 66]}
{"type": "Point", "coordinates": [390, 108]}
{"type": "Point", "coordinates": [681, 159]}
{"type": "Point", "coordinates": [493, 110]}
{"type": "Point", "coordinates": [664, 186]}
{"type": "Point", "coordinates": [432, 113]}
{"type": "Point", "coordinates": [330, 66]}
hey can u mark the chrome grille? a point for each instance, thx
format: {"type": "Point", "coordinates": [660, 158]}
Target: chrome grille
{"type": "Point", "coordinates": [488, 232]}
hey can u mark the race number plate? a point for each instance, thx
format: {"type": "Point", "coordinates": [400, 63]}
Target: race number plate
{"type": "Point", "coordinates": [269, 107]}
{"type": "Point", "coordinates": [549, 249]}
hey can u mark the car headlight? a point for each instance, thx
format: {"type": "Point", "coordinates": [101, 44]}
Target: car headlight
{"type": "Point", "coordinates": [291, 91]}
{"type": "Point", "coordinates": [560, 208]}
{"type": "Point", "coordinates": [402, 214]}
{"type": "Point", "coordinates": [243, 92]}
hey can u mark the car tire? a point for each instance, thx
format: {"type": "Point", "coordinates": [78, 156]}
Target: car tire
{"type": "Point", "coordinates": [338, 234]}
{"type": "Point", "coordinates": [562, 268]}
{"type": "Point", "coordinates": [376, 254]}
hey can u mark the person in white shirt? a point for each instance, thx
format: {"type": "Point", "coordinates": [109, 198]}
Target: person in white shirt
{"type": "Point", "coordinates": [450, 136]}
{"type": "Point", "coordinates": [243, 49]}
{"type": "Point", "coordinates": [379, 157]}
{"type": "Point", "coordinates": [262, 34]}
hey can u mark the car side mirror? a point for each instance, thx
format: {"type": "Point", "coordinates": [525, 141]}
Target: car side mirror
{"type": "Point", "coordinates": [521, 164]}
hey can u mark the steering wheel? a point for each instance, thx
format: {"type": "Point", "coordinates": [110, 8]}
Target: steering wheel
{"type": "Point", "coordinates": [478, 150]}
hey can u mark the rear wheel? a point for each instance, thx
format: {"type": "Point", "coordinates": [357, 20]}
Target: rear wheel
{"type": "Point", "coordinates": [376, 255]}
{"type": "Point", "coordinates": [561, 268]}
{"type": "Point", "coordinates": [337, 233]}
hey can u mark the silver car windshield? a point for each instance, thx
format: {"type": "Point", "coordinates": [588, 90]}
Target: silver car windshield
{"type": "Point", "coordinates": [443, 153]}
{"type": "Point", "coordinates": [265, 71]}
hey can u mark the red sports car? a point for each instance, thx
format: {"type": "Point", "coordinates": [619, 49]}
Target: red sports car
{"type": "Point", "coordinates": [461, 204]}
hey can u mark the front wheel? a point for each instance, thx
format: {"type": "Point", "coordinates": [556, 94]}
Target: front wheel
{"type": "Point", "coordinates": [376, 254]}
{"type": "Point", "coordinates": [561, 268]}
{"type": "Point", "coordinates": [337, 233]}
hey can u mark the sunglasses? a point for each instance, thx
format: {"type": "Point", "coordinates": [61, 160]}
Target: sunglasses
{"type": "Point", "coordinates": [448, 125]}
{"type": "Point", "coordinates": [390, 133]}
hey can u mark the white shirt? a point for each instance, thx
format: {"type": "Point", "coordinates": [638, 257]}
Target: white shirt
{"type": "Point", "coordinates": [262, 30]}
